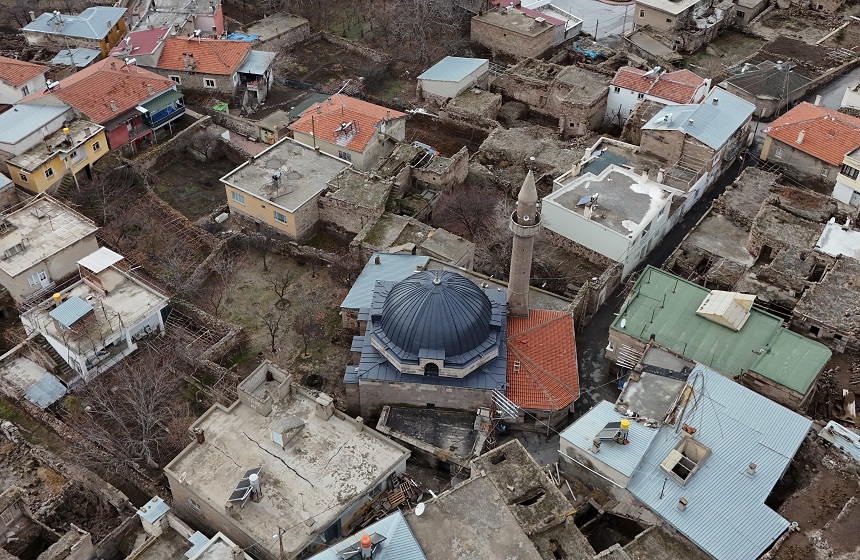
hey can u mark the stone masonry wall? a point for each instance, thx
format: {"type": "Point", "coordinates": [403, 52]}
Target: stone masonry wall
{"type": "Point", "coordinates": [373, 395]}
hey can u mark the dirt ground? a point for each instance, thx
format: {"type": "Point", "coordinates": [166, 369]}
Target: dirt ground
{"type": "Point", "coordinates": [192, 188]}
{"type": "Point", "coordinates": [250, 295]}
{"type": "Point", "coordinates": [444, 138]}
{"type": "Point", "coordinates": [723, 52]}
{"type": "Point", "coordinates": [823, 501]}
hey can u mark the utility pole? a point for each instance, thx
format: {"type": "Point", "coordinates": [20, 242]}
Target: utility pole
{"type": "Point", "coordinates": [596, 24]}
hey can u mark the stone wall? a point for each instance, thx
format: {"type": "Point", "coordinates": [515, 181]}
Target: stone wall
{"type": "Point", "coordinates": [593, 294]}
{"type": "Point", "coordinates": [233, 124]}
{"type": "Point", "coordinates": [501, 40]}
{"type": "Point", "coordinates": [347, 216]}
{"type": "Point", "coordinates": [224, 85]}
{"type": "Point", "coordinates": [166, 152]}
{"type": "Point", "coordinates": [445, 173]}
{"type": "Point", "coordinates": [375, 56]}
{"type": "Point", "coordinates": [466, 119]}
{"type": "Point", "coordinates": [580, 119]}
{"type": "Point", "coordinates": [578, 250]}
{"type": "Point", "coordinates": [373, 395]}
{"type": "Point", "coordinates": [801, 166]}
{"type": "Point", "coordinates": [777, 393]}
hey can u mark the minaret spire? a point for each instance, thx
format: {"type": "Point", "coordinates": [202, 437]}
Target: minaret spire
{"type": "Point", "coordinates": [525, 224]}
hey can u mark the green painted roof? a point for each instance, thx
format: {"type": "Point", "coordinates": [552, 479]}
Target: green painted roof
{"type": "Point", "coordinates": [664, 305]}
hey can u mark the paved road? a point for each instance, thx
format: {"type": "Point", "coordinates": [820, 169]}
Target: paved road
{"type": "Point", "coordinates": [605, 18]}
{"type": "Point", "coordinates": [597, 380]}
{"type": "Point", "coordinates": [831, 93]}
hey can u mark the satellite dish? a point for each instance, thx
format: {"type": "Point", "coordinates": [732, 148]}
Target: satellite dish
{"type": "Point", "coordinates": [419, 509]}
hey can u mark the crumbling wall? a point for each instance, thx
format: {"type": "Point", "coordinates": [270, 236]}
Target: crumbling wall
{"type": "Point", "coordinates": [445, 173]}
{"type": "Point", "coordinates": [373, 395]}
{"type": "Point", "coordinates": [367, 52]}
{"type": "Point", "coordinates": [347, 216]}
{"type": "Point", "coordinates": [578, 119]}
{"type": "Point", "coordinates": [464, 118]}
{"type": "Point", "coordinates": [233, 124]}
{"type": "Point", "coordinates": [521, 46]}
{"type": "Point", "coordinates": [593, 294]}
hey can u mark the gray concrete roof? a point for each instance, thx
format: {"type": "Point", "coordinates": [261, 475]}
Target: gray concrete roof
{"type": "Point", "coordinates": [360, 189]}
{"type": "Point", "coordinates": [515, 21]}
{"type": "Point", "coordinates": [304, 174]}
{"type": "Point", "coordinates": [58, 144]}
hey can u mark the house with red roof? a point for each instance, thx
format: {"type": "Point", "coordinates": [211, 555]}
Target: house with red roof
{"type": "Point", "coordinates": [230, 68]}
{"type": "Point", "coordinates": [631, 86]}
{"type": "Point", "coordinates": [144, 46]}
{"type": "Point", "coordinates": [810, 142]}
{"type": "Point", "coordinates": [18, 79]}
{"type": "Point", "coordinates": [130, 102]}
{"type": "Point", "coordinates": [351, 129]}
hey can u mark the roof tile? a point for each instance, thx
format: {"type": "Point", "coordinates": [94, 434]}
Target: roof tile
{"type": "Point", "coordinates": [211, 56]}
{"type": "Point", "coordinates": [16, 73]}
{"type": "Point", "coordinates": [827, 135]}
{"type": "Point", "coordinates": [140, 42]}
{"type": "Point", "coordinates": [325, 120]}
{"type": "Point", "coordinates": [541, 366]}
{"type": "Point", "coordinates": [677, 87]}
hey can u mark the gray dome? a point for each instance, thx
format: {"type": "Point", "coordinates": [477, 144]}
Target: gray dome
{"type": "Point", "coordinates": [437, 311]}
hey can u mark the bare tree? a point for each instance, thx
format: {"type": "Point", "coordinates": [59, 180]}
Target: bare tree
{"type": "Point", "coordinates": [347, 267]}
{"type": "Point", "coordinates": [264, 244]}
{"type": "Point", "coordinates": [280, 281]}
{"type": "Point", "coordinates": [493, 244]}
{"type": "Point", "coordinates": [126, 411]}
{"type": "Point", "coordinates": [272, 321]}
{"type": "Point", "coordinates": [107, 196]}
{"type": "Point", "coordinates": [309, 323]}
{"type": "Point", "coordinates": [224, 267]}
{"type": "Point", "coordinates": [464, 210]}
{"type": "Point", "coordinates": [418, 25]}
{"type": "Point", "coordinates": [203, 144]}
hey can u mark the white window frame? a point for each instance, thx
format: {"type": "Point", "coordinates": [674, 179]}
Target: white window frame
{"type": "Point", "coordinates": [176, 79]}
{"type": "Point", "coordinates": [207, 81]}
{"type": "Point", "coordinates": [37, 278]}
{"type": "Point", "coordinates": [237, 197]}
{"type": "Point", "coordinates": [25, 90]}
{"type": "Point", "coordinates": [346, 156]}
{"type": "Point", "coordinates": [825, 172]}
{"type": "Point", "coordinates": [282, 215]}
{"type": "Point", "coordinates": [617, 89]}
{"type": "Point", "coordinates": [49, 172]}
{"type": "Point", "coordinates": [23, 177]}
{"type": "Point", "coordinates": [778, 152]}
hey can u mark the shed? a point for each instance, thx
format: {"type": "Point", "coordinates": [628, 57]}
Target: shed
{"type": "Point", "coordinates": [451, 76]}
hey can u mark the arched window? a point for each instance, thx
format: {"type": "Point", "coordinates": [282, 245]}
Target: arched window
{"type": "Point", "coordinates": [431, 370]}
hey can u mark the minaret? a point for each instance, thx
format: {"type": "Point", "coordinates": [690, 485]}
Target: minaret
{"type": "Point", "coordinates": [525, 224]}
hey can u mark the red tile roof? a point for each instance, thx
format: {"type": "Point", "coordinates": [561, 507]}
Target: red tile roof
{"type": "Point", "coordinates": [326, 120]}
{"type": "Point", "coordinates": [542, 371]}
{"type": "Point", "coordinates": [827, 135]}
{"type": "Point", "coordinates": [91, 90]}
{"type": "Point", "coordinates": [17, 72]}
{"type": "Point", "coordinates": [141, 42]}
{"type": "Point", "coordinates": [676, 87]}
{"type": "Point", "coordinates": [211, 56]}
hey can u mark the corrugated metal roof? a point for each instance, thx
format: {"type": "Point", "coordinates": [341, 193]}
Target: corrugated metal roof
{"type": "Point", "coordinates": [100, 259]}
{"type": "Point", "coordinates": [711, 123]}
{"type": "Point", "coordinates": [80, 57]}
{"type": "Point", "coordinates": [152, 510]}
{"type": "Point", "coordinates": [162, 101]}
{"type": "Point", "coordinates": [392, 268]}
{"type": "Point", "coordinates": [664, 306]}
{"type": "Point", "coordinates": [4, 181]}
{"type": "Point", "coordinates": [726, 515]}
{"type": "Point", "coordinates": [93, 23]}
{"type": "Point", "coordinates": [37, 385]}
{"type": "Point", "coordinates": [399, 543]}
{"type": "Point", "coordinates": [453, 69]}
{"type": "Point", "coordinates": [23, 119]}
{"type": "Point", "coordinates": [70, 311]}
{"type": "Point", "coordinates": [257, 62]}
{"type": "Point", "coordinates": [622, 458]}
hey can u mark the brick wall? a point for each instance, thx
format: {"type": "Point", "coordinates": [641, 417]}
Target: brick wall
{"type": "Point", "coordinates": [774, 392]}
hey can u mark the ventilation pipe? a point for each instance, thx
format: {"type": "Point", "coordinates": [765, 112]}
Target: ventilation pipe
{"type": "Point", "coordinates": [682, 504]}
{"type": "Point", "coordinates": [199, 434]}
{"type": "Point", "coordinates": [366, 550]}
{"type": "Point", "coordinates": [800, 136]}
{"type": "Point", "coordinates": [817, 101]}
{"type": "Point", "coordinates": [751, 469]}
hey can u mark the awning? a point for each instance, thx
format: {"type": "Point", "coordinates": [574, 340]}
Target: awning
{"type": "Point", "coordinates": [162, 101]}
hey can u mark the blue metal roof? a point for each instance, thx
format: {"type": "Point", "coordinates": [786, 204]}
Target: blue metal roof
{"type": "Point", "coordinates": [393, 268]}
{"type": "Point", "coordinates": [70, 311]}
{"type": "Point", "coordinates": [257, 62]}
{"type": "Point", "coordinates": [93, 23]}
{"type": "Point", "coordinates": [35, 383]}
{"type": "Point", "coordinates": [152, 510]}
{"type": "Point", "coordinates": [399, 543]}
{"type": "Point", "coordinates": [452, 69]}
{"type": "Point", "coordinates": [622, 458]}
{"type": "Point", "coordinates": [198, 542]}
{"type": "Point", "coordinates": [726, 515]}
{"type": "Point", "coordinates": [4, 181]}
{"type": "Point", "coordinates": [23, 119]}
{"type": "Point", "coordinates": [80, 57]}
{"type": "Point", "coordinates": [710, 123]}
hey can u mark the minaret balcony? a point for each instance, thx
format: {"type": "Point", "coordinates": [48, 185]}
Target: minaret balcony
{"type": "Point", "coordinates": [521, 230]}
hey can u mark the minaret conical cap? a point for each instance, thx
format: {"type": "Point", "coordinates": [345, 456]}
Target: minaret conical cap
{"type": "Point", "coordinates": [528, 192]}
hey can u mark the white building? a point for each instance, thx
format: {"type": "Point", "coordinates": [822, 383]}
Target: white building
{"type": "Point", "coordinates": [851, 99]}
{"type": "Point", "coordinates": [616, 213]}
{"type": "Point", "coordinates": [18, 79]}
{"type": "Point", "coordinates": [451, 76]}
{"type": "Point", "coordinates": [98, 320]}
{"type": "Point", "coordinates": [631, 86]}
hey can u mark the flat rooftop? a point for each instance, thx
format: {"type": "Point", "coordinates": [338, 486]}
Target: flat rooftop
{"type": "Point", "coordinates": [627, 201]}
{"type": "Point", "coordinates": [450, 430]}
{"type": "Point", "coordinates": [57, 143]}
{"type": "Point", "coordinates": [475, 101]}
{"type": "Point", "coordinates": [321, 470]}
{"type": "Point", "coordinates": [45, 227]}
{"type": "Point", "coordinates": [833, 300]}
{"type": "Point", "coordinates": [359, 189]}
{"type": "Point", "coordinates": [32, 380]}
{"type": "Point", "coordinates": [515, 21]}
{"type": "Point", "coordinates": [127, 302]}
{"type": "Point", "coordinates": [651, 397]}
{"type": "Point", "coordinates": [304, 174]}
{"type": "Point", "coordinates": [586, 86]}
{"type": "Point", "coordinates": [720, 236]}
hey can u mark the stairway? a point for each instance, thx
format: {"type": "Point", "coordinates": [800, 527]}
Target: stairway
{"type": "Point", "coordinates": [64, 370]}
{"type": "Point", "coordinates": [628, 357]}
{"type": "Point", "coordinates": [65, 186]}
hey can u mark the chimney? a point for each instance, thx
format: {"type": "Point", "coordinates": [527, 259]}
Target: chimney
{"type": "Point", "coordinates": [200, 435]}
{"type": "Point", "coordinates": [751, 469]}
{"type": "Point", "coordinates": [366, 550]}
{"type": "Point", "coordinates": [682, 504]}
{"type": "Point", "coordinates": [319, 109]}
{"type": "Point", "coordinates": [32, 15]}
{"type": "Point", "coordinates": [237, 553]}
{"type": "Point", "coordinates": [716, 101]}
{"type": "Point", "coordinates": [325, 406]}
{"type": "Point", "coordinates": [377, 260]}
{"type": "Point", "coordinates": [113, 106]}
{"type": "Point", "coordinates": [661, 173]}
{"type": "Point", "coordinates": [800, 136]}
{"type": "Point", "coordinates": [817, 101]}
{"type": "Point", "coordinates": [690, 122]}
{"type": "Point", "coordinates": [149, 90]}
{"type": "Point", "coordinates": [595, 446]}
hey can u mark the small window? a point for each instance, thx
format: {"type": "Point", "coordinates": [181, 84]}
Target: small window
{"type": "Point", "coordinates": [542, 101]}
{"type": "Point", "coordinates": [617, 89]}
{"type": "Point", "coordinates": [778, 152]}
{"type": "Point", "coordinates": [837, 337]}
{"type": "Point", "coordinates": [668, 20]}
{"type": "Point", "coordinates": [194, 505]}
{"type": "Point", "coordinates": [813, 330]}
{"type": "Point", "coordinates": [240, 198]}
{"type": "Point", "coordinates": [38, 278]}
{"type": "Point", "coordinates": [825, 172]}
{"type": "Point", "coordinates": [74, 154]}
{"type": "Point", "coordinates": [23, 177]}
{"type": "Point", "coordinates": [25, 90]}
{"type": "Point", "coordinates": [642, 13]}
{"type": "Point", "coordinates": [662, 211]}
{"type": "Point", "coordinates": [280, 217]}
{"type": "Point", "coordinates": [209, 83]}
{"type": "Point", "coordinates": [49, 172]}
{"type": "Point", "coordinates": [96, 146]}
{"type": "Point", "coordinates": [641, 95]}
{"type": "Point", "coordinates": [849, 171]}
{"type": "Point", "coordinates": [741, 14]}
{"type": "Point", "coordinates": [431, 370]}
{"type": "Point", "coordinates": [177, 79]}
{"type": "Point", "coordinates": [344, 155]}
{"type": "Point", "coordinates": [610, 347]}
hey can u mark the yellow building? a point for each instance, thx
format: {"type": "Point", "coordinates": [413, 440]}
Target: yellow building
{"type": "Point", "coordinates": [73, 148]}
{"type": "Point", "coordinates": [280, 187]}
{"type": "Point", "coordinates": [847, 188]}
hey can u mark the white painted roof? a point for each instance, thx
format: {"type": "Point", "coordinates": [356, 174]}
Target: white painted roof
{"type": "Point", "coordinates": [837, 241]}
{"type": "Point", "coordinates": [100, 260]}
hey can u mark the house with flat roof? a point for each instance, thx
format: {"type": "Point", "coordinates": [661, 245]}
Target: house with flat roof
{"type": "Point", "coordinates": [809, 143]}
{"type": "Point", "coordinates": [24, 373]}
{"type": "Point", "coordinates": [632, 85]}
{"type": "Point", "coordinates": [98, 320]}
{"type": "Point", "coordinates": [616, 213]}
{"type": "Point", "coordinates": [182, 16]}
{"type": "Point", "coordinates": [97, 27]}
{"type": "Point", "coordinates": [132, 102]}
{"type": "Point", "coordinates": [350, 129]}
{"type": "Point", "coordinates": [280, 457]}
{"type": "Point", "coordinates": [18, 79]}
{"type": "Point", "coordinates": [684, 25]}
{"type": "Point", "coordinates": [280, 187]}
{"type": "Point", "coordinates": [41, 242]}
{"type": "Point", "coordinates": [523, 32]}
{"type": "Point", "coordinates": [77, 58]}
{"type": "Point", "coordinates": [770, 86]}
{"type": "Point", "coordinates": [709, 477]}
{"type": "Point", "coordinates": [451, 76]}
{"type": "Point", "coordinates": [665, 310]}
